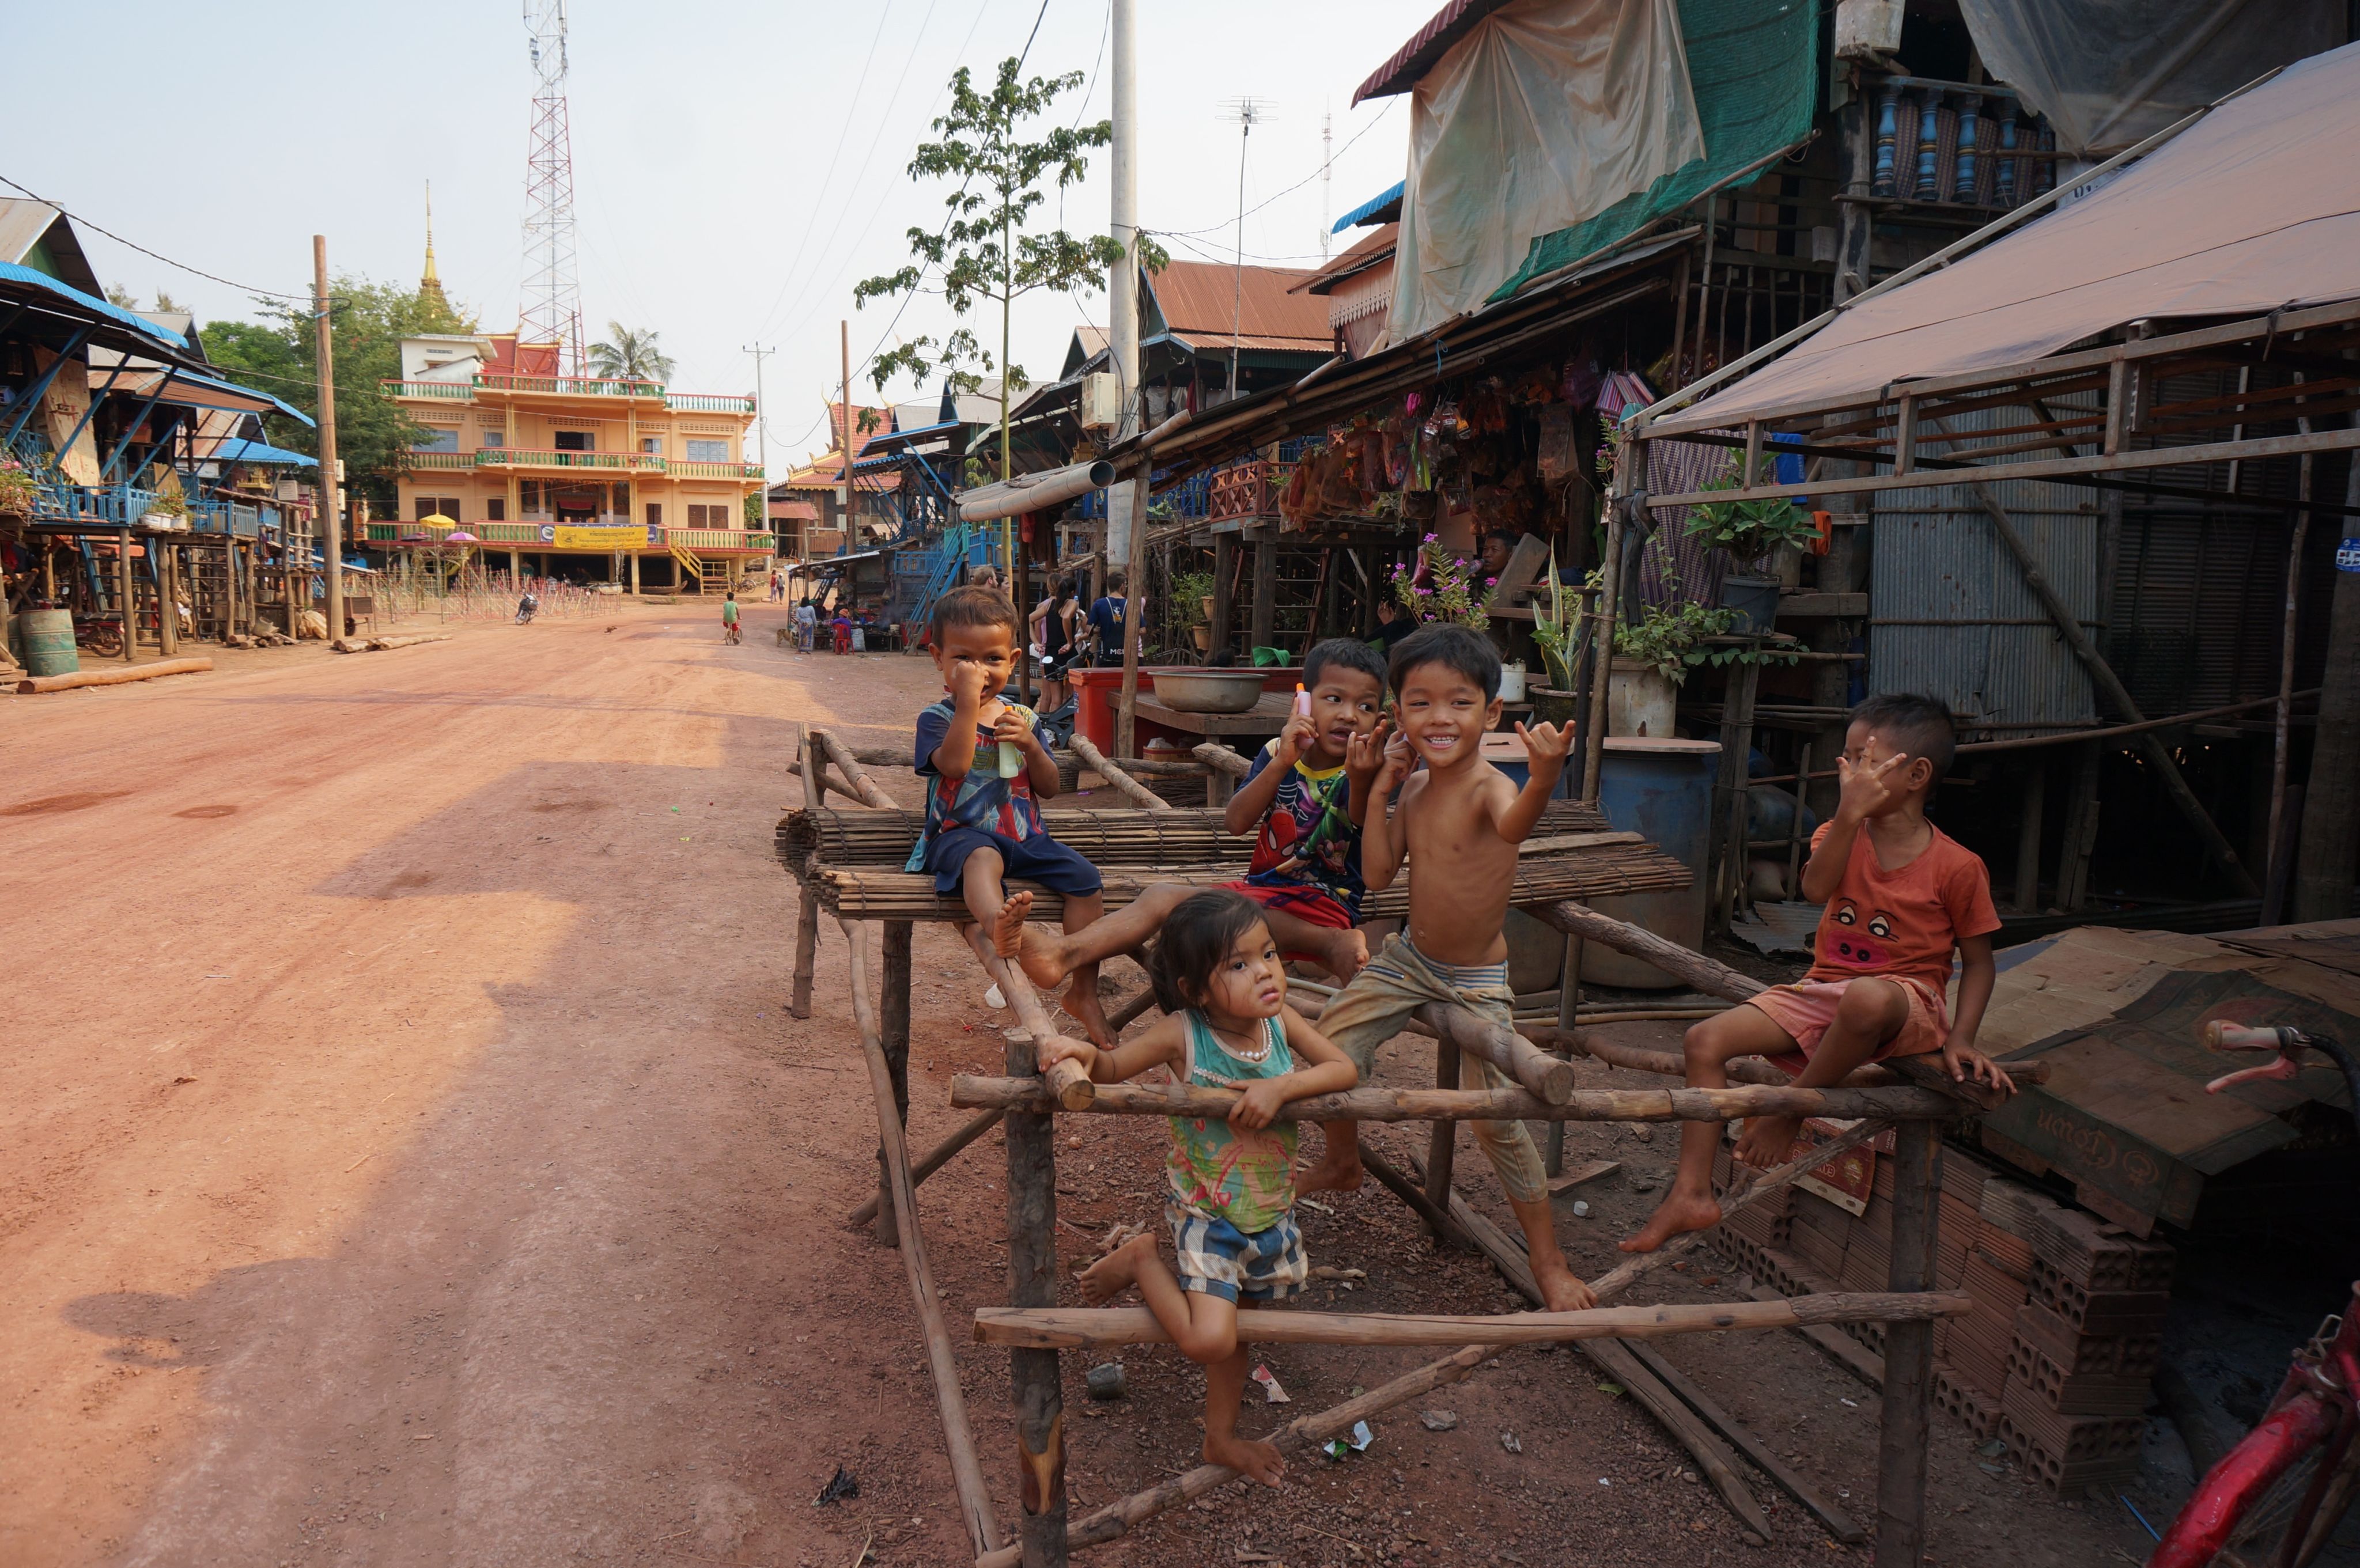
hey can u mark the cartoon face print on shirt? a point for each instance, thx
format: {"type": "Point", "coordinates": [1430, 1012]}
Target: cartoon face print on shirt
{"type": "Point", "coordinates": [1858, 940]}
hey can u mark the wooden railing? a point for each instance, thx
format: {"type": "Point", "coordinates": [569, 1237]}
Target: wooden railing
{"type": "Point", "coordinates": [684, 468]}
{"type": "Point", "coordinates": [523, 457]}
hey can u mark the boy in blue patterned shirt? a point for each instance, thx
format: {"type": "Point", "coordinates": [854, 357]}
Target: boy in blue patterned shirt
{"type": "Point", "coordinates": [987, 763]}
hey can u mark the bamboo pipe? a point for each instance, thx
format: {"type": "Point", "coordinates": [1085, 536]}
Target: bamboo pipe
{"type": "Point", "coordinates": [1130, 789]}
{"type": "Point", "coordinates": [1101, 1328]}
{"type": "Point", "coordinates": [971, 1091]}
{"type": "Point", "coordinates": [967, 1469]}
{"type": "Point", "coordinates": [1118, 1518]}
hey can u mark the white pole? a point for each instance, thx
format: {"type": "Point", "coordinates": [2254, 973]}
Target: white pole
{"type": "Point", "coordinates": [1123, 288]}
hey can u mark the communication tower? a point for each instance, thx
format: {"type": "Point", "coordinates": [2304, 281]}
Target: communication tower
{"type": "Point", "coordinates": [552, 313]}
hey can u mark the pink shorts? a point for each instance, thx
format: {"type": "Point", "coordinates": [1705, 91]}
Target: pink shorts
{"type": "Point", "coordinates": [1806, 1008]}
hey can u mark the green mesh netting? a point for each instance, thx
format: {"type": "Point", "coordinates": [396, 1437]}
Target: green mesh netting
{"type": "Point", "coordinates": [1753, 65]}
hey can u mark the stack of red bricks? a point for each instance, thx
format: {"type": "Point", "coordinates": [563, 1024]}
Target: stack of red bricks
{"type": "Point", "coordinates": [2055, 1355]}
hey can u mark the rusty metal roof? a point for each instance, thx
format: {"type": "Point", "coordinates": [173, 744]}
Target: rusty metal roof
{"type": "Point", "coordinates": [1427, 45]}
{"type": "Point", "coordinates": [1371, 250]}
{"type": "Point", "coordinates": [1202, 302]}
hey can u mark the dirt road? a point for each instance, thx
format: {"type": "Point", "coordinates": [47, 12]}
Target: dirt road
{"type": "Point", "coordinates": [406, 1159]}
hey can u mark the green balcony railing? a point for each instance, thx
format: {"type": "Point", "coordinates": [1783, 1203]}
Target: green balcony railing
{"type": "Point", "coordinates": [719, 539]}
{"type": "Point", "coordinates": [446, 391]}
{"type": "Point", "coordinates": [707, 403]}
{"type": "Point", "coordinates": [440, 461]}
{"type": "Point", "coordinates": [610, 461]}
{"type": "Point", "coordinates": [681, 468]}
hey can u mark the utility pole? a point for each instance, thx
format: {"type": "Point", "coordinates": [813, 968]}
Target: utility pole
{"type": "Point", "coordinates": [331, 490]}
{"type": "Point", "coordinates": [762, 434]}
{"type": "Point", "coordinates": [1326, 178]}
{"type": "Point", "coordinates": [1123, 288]}
{"type": "Point", "coordinates": [843, 347]}
{"type": "Point", "coordinates": [1246, 113]}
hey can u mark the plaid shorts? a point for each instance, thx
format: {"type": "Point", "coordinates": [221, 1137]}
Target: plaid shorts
{"type": "Point", "coordinates": [1218, 1259]}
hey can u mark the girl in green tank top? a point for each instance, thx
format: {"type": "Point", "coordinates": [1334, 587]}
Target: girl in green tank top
{"type": "Point", "coordinates": [1231, 1179]}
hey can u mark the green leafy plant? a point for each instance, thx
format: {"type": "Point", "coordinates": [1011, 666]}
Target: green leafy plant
{"type": "Point", "coordinates": [1749, 531]}
{"type": "Point", "coordinates": [18, 488]}
{"type": "Point", "coordinates": [1669, 638]}
{"type": "Point", "coordinates": [169, 504]}
{"type": "Point", "coordinates": [1436, 587]}
{"type": "Point", "coordinates": [1186, 607]}
{"type": "Point", "coordinates": [983, 253]}
{"type": "Point", "coordinates": [628, 356]}
{"type": "Point", "coordinates": [1557, 628]}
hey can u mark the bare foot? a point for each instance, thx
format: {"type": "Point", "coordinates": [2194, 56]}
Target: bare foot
{"type": "Point", "coordinates": [1344, 955]}
{"type": "Point", "coordinates": [1041, 955]}
{"type": "Point", "coordinates": [1116, 1272]}
{"type": "Point", "coordinates": [1082, 1003]}
{"type": "Point", "coordinates": [1008, 926]}
{"type": "Point", "coordinates": [1257, 1460]}
{"type": "Point", "coordinates": [1561, 1291]}
{"type": "Point", "coordinates": [1339, 1170]}
{"type": "Point", "coordinates": [1677, 1215]}
{"type": "Point", "coordinates": [1767, 1141]}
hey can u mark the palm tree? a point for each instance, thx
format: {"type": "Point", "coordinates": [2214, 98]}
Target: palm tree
{"type": "Point", "coordinates": [628, 355]}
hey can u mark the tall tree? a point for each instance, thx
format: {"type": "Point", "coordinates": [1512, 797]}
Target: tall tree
{"type": "Point", "coordinates": [277, 355]}
{"type": "Point", "coordinates": [984, 253]}
{"type": "Point", "coordinates": [628, 356]}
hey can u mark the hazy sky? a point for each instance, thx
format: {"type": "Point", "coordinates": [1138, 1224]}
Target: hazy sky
{"type": "Point", "coordinates": [737, 167]}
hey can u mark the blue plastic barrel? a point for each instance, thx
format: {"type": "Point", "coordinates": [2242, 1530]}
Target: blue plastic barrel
{"type": "Point", "coordinates": [1661, 788]}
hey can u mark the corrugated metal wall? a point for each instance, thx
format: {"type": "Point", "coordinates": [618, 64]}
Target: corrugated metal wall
{"type": "Point", "coordinates": [1949, 614]}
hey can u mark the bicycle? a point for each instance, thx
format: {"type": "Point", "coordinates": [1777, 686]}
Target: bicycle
{"type": "Point", "coordinates": [2313, 1412]}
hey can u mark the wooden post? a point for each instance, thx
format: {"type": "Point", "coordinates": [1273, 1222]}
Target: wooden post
{"type": "Point", "coordinates": [1569, 1015]}
{"type": "Point", "coordinates": [2027, 836]}
{"type": "Point", "coordinates": [168, 599]}
{"type": "Point", "coordinates": [1263, 614]}
{"type": "Point", "coordinates": [1630, 472]}
{"type": "Point", "coordinates": [1444, 1145]}
{"type": "Point", "coordinates": [1033, 1283]}
{"type": "Point", "coordinates": [2080, 827]}
{"type": "Point", "coordinates": [1126, 719]}
{"type": "Point", "coordinates": [1728, 883]}
{"type": "Point", "coordinates": [1225, 596]}
{"type": "Point", "coordinates": [807, 910]}
{"type": "Point", "coordinates": [332, 511]}
{"type": "Point", "coordinates": [2110, 686]}
{"type": "Point", "coordinates": [123, 594]}
{"type": "Point", "coordinates": [894, 1029]}
{"type": "Point", "coordinates": [1909, 1397]}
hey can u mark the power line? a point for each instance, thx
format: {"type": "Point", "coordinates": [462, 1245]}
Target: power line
{"type": "Point", "coordinates": [143, 250]}
{"type": "Point", "coordinates": [1299, 185]}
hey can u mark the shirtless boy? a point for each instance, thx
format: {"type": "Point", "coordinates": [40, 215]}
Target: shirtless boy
{"type": "Point", "coordinates": [1460, 822]}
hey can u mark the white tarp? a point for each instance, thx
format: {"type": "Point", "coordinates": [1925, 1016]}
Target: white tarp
{"type": "Point", "coordinates": [2109, 73]}
{"type": "Point", "coordinates": [2255, 206]}
{"type": "Point", "coordinates": [1548, 113]}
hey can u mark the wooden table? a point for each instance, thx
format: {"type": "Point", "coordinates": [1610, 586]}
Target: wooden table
{"type": "Point", "coordinates": [1266, 717]}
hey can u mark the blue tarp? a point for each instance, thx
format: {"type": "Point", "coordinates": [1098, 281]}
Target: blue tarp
{"type": "Point", "coordinates": [188, 389]}
{"type": "Point", "coordinates": [10, 272]}
{"type": "Point", "coordinates": [257, 451]}
{"type": "Point", "coordinates": [1366, 213]}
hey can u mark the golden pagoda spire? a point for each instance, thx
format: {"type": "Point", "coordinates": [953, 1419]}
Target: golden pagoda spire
{"type": "Point", "coordinates": [431, 283]}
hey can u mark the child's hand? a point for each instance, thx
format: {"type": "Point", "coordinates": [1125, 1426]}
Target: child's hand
{"type": "Point", "coordinates": [1057, 1047]}
{"type": "Point", "coordinates": [1012, 728]}
{"type": "Point", "coordinates": [1365, 754]}
{"type": "Point", "coordinates": [1868, 788]}
{"type": "Point", "coordinates": [1545, 746]}
{"type": "Point", "coordinates": [1294, 739]}
{"type": "Point", "coordinates": [966, 685]}
{"type": "Point", "coordinates": [1398, 761]}
{"type": "Point", "coordinates": [1968, 1065]}
{"type": "Point", "coordinates": [1258, 1106]}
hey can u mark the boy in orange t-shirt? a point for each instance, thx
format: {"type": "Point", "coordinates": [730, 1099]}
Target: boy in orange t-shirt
{"type": "Point", "coordinates": [1900, 895]}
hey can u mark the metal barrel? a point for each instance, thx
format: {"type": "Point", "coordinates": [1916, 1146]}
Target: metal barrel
{"type": "Point", "coordinates": [49, 642]}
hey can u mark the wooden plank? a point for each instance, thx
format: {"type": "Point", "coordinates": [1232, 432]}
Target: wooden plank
{"type": "Point", "coordinates": [970, 1092]}
{"type": "Point", "coordinates": [1034, 1374]}
{"type": "Point", "coordinates": [1442, 1142]}
{"type": "Point", "coordinates": [1906, 1413]}
{"type": "Point", "coordinates": [1848, 1353]}
{"type": "Point", "coordinates": [1814, 605]}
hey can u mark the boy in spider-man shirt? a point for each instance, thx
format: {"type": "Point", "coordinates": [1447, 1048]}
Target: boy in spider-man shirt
{"type": "Point", "coordinates": [1900, 895]}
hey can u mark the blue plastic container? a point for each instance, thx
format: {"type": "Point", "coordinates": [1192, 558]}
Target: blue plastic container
{"type": "Point", "coordinates": [1661, 788]}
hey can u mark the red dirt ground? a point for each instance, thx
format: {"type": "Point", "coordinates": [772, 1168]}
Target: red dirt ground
{"type": "Point", "coordinates": [408, 1160]}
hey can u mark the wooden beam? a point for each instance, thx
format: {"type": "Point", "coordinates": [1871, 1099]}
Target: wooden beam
{"type": "Point", "coordinates": [934, 1159]}
{"type": "Point", "coordinates": [1100, 1328]}
{"type": "Point", "coordinates": [1545, 1077]}
{"type": "Point", "coordinates": [862, 785]}
{"type": "Point", "coordinates": [806, 898]}
{"type": "Point", "coordinates": [1442, 1138]}
{"type": "Point", "coordinates": [967, 1470]}
{"type": "Point", "coordinates": [1910, 1102]}
{"type": "Point", "coordinates": [1130, 789]}
{"type": "Point", "coordinates": [1907, 1397]}
{"type": "Point", "coordinates": [893, 1031]}
{"type": "Point", "coordinates": [1221, 759]}
{"type": "Point", "coordinates": [2101, 675]}
{"type": "Point", "coordinates": [1033, 1283]}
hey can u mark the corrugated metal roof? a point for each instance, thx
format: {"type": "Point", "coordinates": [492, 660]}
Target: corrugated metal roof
{"type": "Point", "coordinates": [27, 277]}
{"type": "Point", "coordinates": [1199, 302]}
{"type": "Point", "coordinates": [28, 228]}
{"type": "Point", "coordinates": [258, 451]}
{"type": "Point", "coordinates": [1381, 209]}
{"type": "Point", "coordinates": [1370, 250]}
{"type": "Point", "coordinates": [1430, 44]}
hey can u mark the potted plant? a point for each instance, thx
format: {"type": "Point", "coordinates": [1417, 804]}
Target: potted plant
{"type": "Point", "coordinates": [1750, 531]}
{"type": "Point", "coordinates": [1652, 656]}
{"type": "Point", "coordinates": [1191, 588]}
{"type": "Point", "coordinates": [169, 509]}
{"type": "Point", "coordinates": [1436, 587]}
{"type": "Point", "coordinates": [1557, 632]}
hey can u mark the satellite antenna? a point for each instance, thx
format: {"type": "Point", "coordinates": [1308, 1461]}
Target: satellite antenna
{"type": "Point", "coordinates": [1245, 113]}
